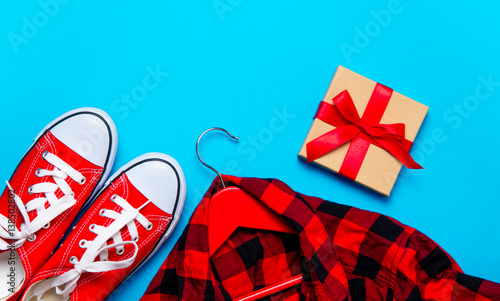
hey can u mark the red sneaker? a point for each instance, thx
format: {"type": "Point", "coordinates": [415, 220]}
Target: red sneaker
{"type": "Point", "coordinates": [129, 220]}
{"type": "Point", "coordinates": [66, 165]}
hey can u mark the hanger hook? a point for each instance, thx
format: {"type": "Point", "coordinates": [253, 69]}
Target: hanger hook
{"type": "Point", "coordinates": [198, 150]}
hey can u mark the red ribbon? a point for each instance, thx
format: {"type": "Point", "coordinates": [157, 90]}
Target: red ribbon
{"type": "Point", "coordinates": [360, 131]}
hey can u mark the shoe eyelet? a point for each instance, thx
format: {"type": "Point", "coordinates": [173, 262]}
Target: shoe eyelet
{"type": "Point", "coordinates": [30, 190]}
{"type": "Point", "coordinates": [92, 227]}
{"type": "Point", "coordinates": [73, 260]}
{"type": "Point", "coordinates": [72, 194]}
{"type": "Point", "coordinates": [136, 239]}
{"type": "Point", "coordinates": [120, 252]}
{"type": "Point", "coordinates": [113, 197]}
{"type": "Point", "coordinates": [82, 243]}
{"type": "Point", "coordinates": [32, 238]}
{"type": "Point", "coordinates": [149, 227]}
{"type": "Point", "coordinates": [37, 172]}
{"type": "Point", "coordinates": [46, 225]}
{"type": "Point", "coordinates": [82, 181]}
{"type": "Point", "coordinates": [45, 154]}
{"type": "Point", "coordinates": [101, 212]}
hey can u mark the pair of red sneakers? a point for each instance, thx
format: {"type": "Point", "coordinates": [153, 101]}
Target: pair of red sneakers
{"type": "Point", "coordinates": [116, 225]}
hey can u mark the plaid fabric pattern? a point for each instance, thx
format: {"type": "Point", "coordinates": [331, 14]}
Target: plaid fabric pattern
{"type": "Point", "coordinates": [343, 253]}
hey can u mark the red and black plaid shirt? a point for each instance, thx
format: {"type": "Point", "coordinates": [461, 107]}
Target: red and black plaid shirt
{"type": "Point", "coordinates": [343, 253]}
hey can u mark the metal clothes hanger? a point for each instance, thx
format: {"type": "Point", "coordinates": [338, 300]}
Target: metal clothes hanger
{"type": "Point", "coordinates": [230, 208]}
{"type": "Point", "coordinates": [198, 150]}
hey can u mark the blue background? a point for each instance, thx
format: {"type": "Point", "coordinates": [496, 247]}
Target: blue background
{"type": "Point", "coordinates": [259, 69]}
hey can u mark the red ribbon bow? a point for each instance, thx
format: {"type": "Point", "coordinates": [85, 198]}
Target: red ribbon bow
{"type": "Point", "coordinates": [360, 131]}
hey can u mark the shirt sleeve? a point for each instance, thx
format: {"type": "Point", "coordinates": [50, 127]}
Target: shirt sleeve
{"type": "Point", "coordinates": [164, 285]}
{"type": "Point", "coordinates": [427, 272]}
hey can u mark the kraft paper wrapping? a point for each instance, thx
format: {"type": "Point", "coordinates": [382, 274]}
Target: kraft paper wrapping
{"type": "Point", "coordinates": [380, 169]}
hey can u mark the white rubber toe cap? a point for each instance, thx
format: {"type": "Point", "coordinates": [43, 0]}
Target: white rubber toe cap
{"type": "Point", "coordinates": [88, 132]}
{"type": "Point", "coordinates": [158, 177]}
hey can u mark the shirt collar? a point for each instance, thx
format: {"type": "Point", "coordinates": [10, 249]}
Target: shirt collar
{"type": "Point", "coordinates": [322, 271]}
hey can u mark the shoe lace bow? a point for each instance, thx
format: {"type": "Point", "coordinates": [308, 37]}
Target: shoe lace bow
{"type": "Point", "coordinates": [64, 284]}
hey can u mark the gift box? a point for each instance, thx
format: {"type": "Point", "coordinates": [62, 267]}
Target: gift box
{"type": "Point", "coordinates": [363, 131]}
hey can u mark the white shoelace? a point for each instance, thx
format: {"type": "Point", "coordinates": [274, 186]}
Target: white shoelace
{"type": "Point", "coordinates": [8, 230]}
{"type": "Point", "coordinates": [99, 247]}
